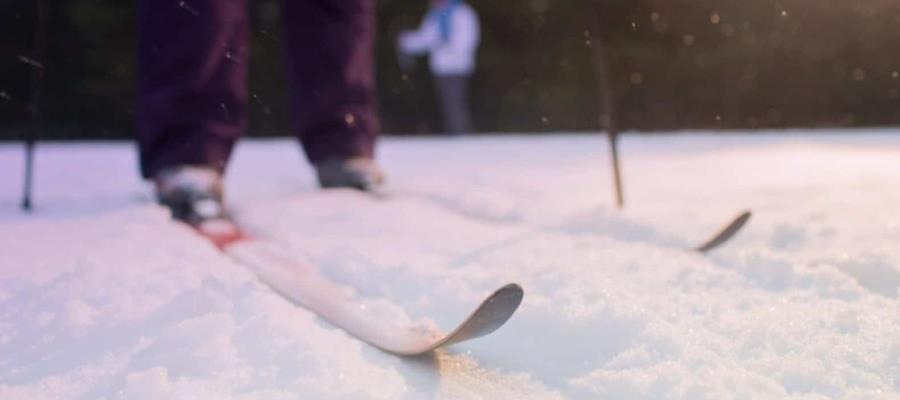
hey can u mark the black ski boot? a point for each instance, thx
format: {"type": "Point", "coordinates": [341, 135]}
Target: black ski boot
{"type": "Point", "coordinates": [358, 173]}
{"type": "Point", "coordinates": [194, 196]}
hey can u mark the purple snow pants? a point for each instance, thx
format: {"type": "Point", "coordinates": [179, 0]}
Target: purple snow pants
{"type": "Point", "coordinates": [192, 91]}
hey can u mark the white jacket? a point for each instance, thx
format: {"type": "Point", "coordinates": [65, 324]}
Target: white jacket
{"type": "Point", "coordinates": [456, 55]}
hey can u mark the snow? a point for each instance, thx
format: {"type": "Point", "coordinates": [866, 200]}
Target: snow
{"type": "Point", "coordinates": [102, 297]}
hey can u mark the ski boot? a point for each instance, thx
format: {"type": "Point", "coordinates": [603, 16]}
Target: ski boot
{"type": "Point", "coordinates": [358, 173]}
{"type": "Point", "coordinates": [194, 196]}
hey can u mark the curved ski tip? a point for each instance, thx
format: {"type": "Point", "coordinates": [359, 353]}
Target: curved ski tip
{"type": "Point", "coordinates": [726, 233]}
{"type": "Point", "coordinates": [741, 220]}
{"type": "Point", "coordinates": [489, 316]}
{"type": "Point", "coordinates": [493, 312]}
{"type": "Point", "coordinates": [511, 293]}
{"type": "Point", "coordinates": [509, 298]}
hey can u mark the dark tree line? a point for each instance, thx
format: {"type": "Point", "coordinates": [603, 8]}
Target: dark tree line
{"type": "Point", "coordinates": [671, 64]}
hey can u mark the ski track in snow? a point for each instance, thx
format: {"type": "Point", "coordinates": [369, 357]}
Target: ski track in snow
{"type": "Point", "coordinates": [101, 297]}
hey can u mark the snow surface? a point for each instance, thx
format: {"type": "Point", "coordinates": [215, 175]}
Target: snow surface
{"type": "Point", "coordinates": [102, 297]}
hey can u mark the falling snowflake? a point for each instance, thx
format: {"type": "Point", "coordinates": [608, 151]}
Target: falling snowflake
{"type": "Point", "coordinates": [32, 62]}
{"type": "Point", "coordinates": [187, 7]}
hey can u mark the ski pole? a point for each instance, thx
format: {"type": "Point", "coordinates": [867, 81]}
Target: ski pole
{"type": "Point", "coordinates": [617, 174]}
{"type": "Point", "coordinates": [34, 109]}
{"type": "Point", "coordinates": [607, 95]}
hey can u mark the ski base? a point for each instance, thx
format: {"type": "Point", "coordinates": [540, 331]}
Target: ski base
{"type": "Point", "coordinates": [300, 283]}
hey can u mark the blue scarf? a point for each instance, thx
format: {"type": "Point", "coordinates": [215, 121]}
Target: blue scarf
{"type": "Point", "coordinates": [443, 15]}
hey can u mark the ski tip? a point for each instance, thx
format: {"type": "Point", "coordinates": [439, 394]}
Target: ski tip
{"type": "Point", "coordinates": [742, 219]}
{"type": "Point", "coordinates": [507, 299]}
{"type": "Point", "coordinates": [726, 233]}
{"type": "Point", "coordinates": [512, 289]}
{"type": "Point", "coordinates": [490, 315]}
{"type": "Point", "coordinates": [511, 293]}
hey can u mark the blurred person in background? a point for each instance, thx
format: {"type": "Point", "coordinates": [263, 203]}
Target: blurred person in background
{"type": "Point", "coordinates": [449, 34]}
{"type": "Point", "coordinates": [192, 95]}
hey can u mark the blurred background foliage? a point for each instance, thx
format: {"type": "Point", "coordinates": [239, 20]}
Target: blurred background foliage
{"type": "Point", "coordinates": [674, 64]}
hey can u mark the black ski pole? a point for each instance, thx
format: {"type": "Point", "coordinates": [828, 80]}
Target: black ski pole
{"type": "Point", "coordinates": [602, 45]}
{"type": "Point", "coordinates": [29, 173]}
{"type": "Point", "coordinates": [34, 104]}
{"type": "Point", "coordinates": [617, 173]}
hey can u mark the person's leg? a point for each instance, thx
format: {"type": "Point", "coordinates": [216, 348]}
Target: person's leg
{"type": "Point", "coordinates": [330, 54]}
{"type": "Point", "coordinates": [453, 95]}
{"type": "Point", "coordinates": [192, 94]}
{"type": "Point", "coordinates": [461, 112]}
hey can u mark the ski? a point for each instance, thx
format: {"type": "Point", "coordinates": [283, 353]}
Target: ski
{"type": "Point", "coordinates": [298, 281]}
{"type": "Point", "coordinates": [724, 234]}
